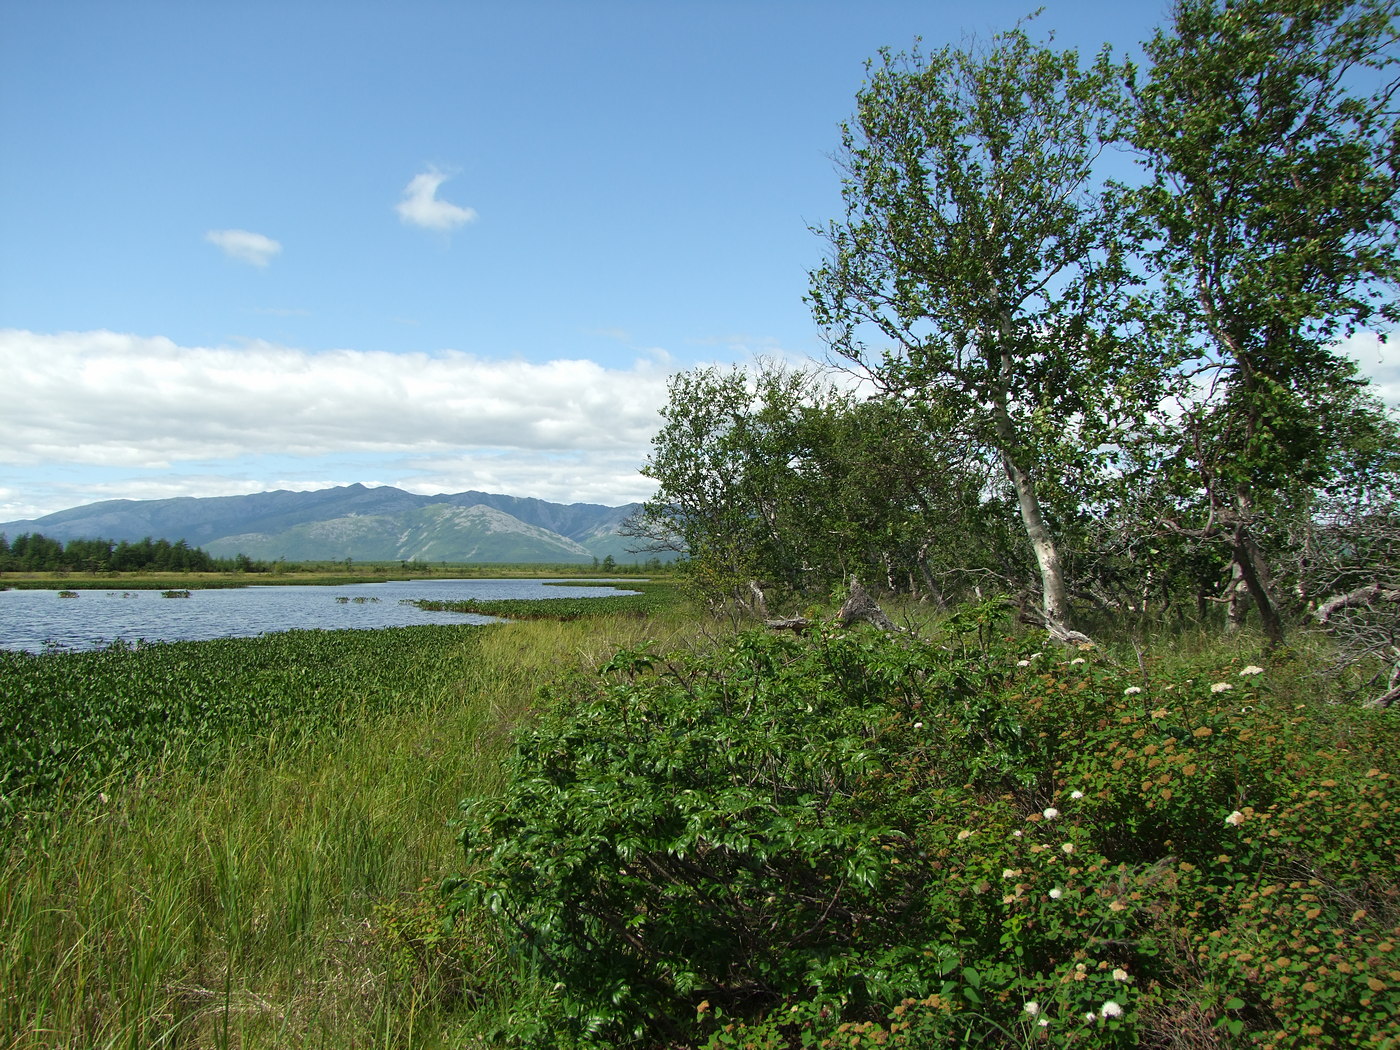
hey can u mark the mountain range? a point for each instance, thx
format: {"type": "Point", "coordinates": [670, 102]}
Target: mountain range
{"type": "Point", "coordinates": [354, 521]}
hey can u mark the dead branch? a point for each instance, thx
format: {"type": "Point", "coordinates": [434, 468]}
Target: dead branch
{"type": "Point", "coordinates": [861, 607]}
{"type": "Point", "coordinates": [1366, 596]}
{"type": "Point", "coordinates": [795, 624]}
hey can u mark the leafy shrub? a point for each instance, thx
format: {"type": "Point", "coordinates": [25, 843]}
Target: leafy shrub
{"type": "Point", "coordinates": [862, 840]}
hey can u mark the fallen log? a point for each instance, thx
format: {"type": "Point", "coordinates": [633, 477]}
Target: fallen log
{"type": "Point", "coordinates": [796, 624]}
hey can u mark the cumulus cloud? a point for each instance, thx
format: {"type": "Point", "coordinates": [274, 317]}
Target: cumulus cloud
{"type": "Point", "coordinates": [105, 397]}
{"type": "Point", "coordinates": [606, 477]}
{"type": "Point", "coordinates": [1379, 361]}
{"type": "Point", "coordinates": [420, 205]}
{"type": "Point", "coordinates": [244, 245]}
{"type": "Point", "coordinates": [104, 415]}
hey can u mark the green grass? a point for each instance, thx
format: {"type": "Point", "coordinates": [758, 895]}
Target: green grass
{"type": "Point", "coordinates": [653, 596]}
{"type": "Point", "coordinates": [280, 891]}
{"type": "Point", "coordinates": [272, 880]}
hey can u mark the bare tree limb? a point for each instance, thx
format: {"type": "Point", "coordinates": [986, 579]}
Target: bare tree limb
{"type": "Point", "coordinates": [1366, 596]}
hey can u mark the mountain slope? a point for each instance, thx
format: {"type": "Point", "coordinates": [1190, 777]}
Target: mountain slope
{"type": "Point", "coordinates": [353, 521]}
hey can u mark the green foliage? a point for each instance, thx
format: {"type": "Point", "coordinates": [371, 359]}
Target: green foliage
{"type": "Point", "coordinates": [1155, 368]}
{"type": "Point", "coordinates": [1267, 128]}
{"type": "Point", "coordinates": [781, 479]}
{"type": "Point", "coordinates": [34, 552]}
{"type": "Point", "coordinates": [429, 960]}
{"type": "Point", "coordinates": [653, 597]}
{"type": "Point", "coordinates": [71, 719]}
{"type": "Point", "coordinates": [723, 461]}
{"type": "Point", "coordinates": [994, 272]}
{"type": "Point", "coordinates": [855, 839]}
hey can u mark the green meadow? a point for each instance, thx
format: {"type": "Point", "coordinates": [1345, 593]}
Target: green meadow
{"type": "Point", "coordinates": [651, 828]}
{"type": "Point", "coordinates": [241, 842]}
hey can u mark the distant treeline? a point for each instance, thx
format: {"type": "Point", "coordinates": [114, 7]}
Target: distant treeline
{"type": "Point", "coordinates": [34, 552]}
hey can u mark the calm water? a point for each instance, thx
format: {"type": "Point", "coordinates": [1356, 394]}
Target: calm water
{"type": "Point", "coordinates": [33, 620]}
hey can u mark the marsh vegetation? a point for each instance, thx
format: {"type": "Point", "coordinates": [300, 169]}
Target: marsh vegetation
{"type": "Point", "coordinates": [242, 843]}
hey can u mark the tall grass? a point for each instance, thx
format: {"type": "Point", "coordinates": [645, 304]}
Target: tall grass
{"type": "Point", "coordinates": [288, 898]}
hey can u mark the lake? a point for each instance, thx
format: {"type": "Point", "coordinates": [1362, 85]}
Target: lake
{"type": "Point", "coordinates": [36, 620]}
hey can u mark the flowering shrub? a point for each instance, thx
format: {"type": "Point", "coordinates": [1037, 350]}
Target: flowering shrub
{"type": "Point", "coordinates": [858, 840]}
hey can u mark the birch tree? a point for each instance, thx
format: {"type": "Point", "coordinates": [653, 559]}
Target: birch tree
{"type": "Point", "coordinates": [991, 268]}
{"type": "Point", "coordinates": [1267, 129]}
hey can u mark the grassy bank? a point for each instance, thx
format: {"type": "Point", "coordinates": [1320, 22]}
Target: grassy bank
{"type": "Point", "coordinates": [652, 596]}
{"type": "Point", "coordinates": [284, 894]}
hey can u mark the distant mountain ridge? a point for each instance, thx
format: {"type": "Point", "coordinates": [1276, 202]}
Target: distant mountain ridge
{"type": "Point", "coordinates": [354, 521]}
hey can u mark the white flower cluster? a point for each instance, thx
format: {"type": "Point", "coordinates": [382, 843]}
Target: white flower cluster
{"type": "Point", "coordinates": [1033, 1009]}
{"type": "Point", "coordinates": [1107, 1010]}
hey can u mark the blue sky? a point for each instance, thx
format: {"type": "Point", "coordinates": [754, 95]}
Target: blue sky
{"type": "Point", "coordinates": [248, 245]}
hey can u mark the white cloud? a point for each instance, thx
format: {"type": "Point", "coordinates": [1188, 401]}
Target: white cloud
{"type": "Point", "coordinates": [609, 478]}
{"type": "Point", "coordinates": [1379, 361]}
{"type": "Point", "coordinates": [244, 246]}
{"type": "Point", "coordinates": [105, 397]}
{"type": "Point", "coordinates": [104, 415]}
{"type": "Point", "coordinates": [421, 207]}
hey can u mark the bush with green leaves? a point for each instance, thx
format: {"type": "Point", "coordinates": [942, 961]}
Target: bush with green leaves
{"type": "Point", "coordinates": [854, 839]}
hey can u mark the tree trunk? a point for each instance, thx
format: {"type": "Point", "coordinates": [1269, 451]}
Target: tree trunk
{"type": "Point", "coordinates": [861, 607]}
{"type": "Point", "coordinates": [1235, 595]}
{"type": "Point", "coordinates": [1055, 595]}
{"type": "Point", "coordinates": [1254, 570]}
{"type": "Point", "coordinates": [931, 586]}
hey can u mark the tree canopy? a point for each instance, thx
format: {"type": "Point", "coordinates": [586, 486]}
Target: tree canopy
{"type": "Point", "coordinates": [980, 248]}
{"type": "Point", "coordinates": [1267, 130]}
{"type": "Point", "coordinates": [1081, 392]}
